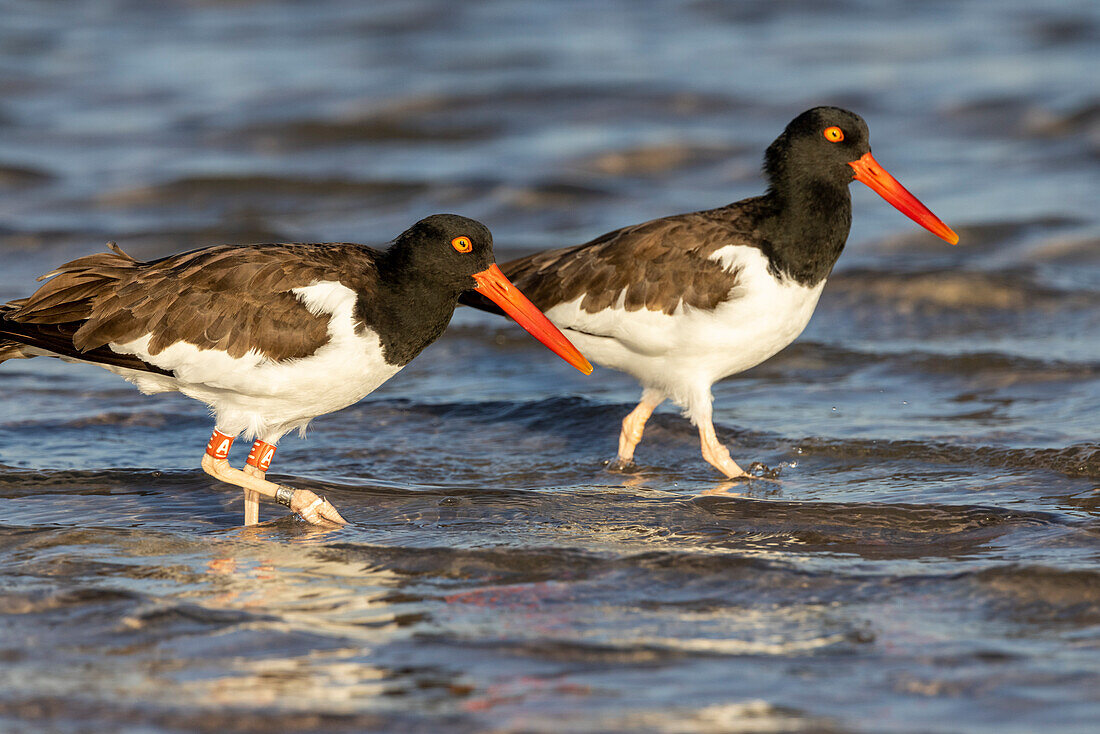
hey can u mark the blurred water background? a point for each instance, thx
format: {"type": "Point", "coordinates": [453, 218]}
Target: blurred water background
{"type": "Point", "coordinates": [929, 561]}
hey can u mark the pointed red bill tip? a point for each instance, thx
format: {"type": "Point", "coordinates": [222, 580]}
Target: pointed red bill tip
{"type": "Point", "coordinates": [492, 284]}
{"type": "Point", "coordinates": [869, 172]}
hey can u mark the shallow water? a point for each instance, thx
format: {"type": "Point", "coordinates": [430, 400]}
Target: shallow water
{"type": "Point", "coordinates": [928, 561]}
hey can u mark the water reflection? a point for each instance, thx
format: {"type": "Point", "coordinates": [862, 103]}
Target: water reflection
{"type": "Point", "coordinates": [927, 559]}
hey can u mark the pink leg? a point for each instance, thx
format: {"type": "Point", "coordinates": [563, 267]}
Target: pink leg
{"type": "Point", "coordinates": [312, 508]}
{"type": "Point", "coordinates": [716, 454]}
{"type": "Point", "coordinates": [634, 426]}
{"type": "Point", "coordinates": [251, 498]}
{"type": "Point", "coordinates": [259, 459]}
{"type": "Point", "coordinates": [700, 410]}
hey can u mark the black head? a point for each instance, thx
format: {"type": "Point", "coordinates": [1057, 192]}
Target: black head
{"type": "Point", "coordinates": [421, 276]}
{"type": "Point", "coordinates": [817, 147]}
{"type": "Point", "coordinates": [811, 164]}
{"type": "Point", "coordinates": [443, 251]}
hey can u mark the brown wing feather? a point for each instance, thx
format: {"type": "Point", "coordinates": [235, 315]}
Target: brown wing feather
{"type": "Point", "coordinates": [226, 297]}
{"type": "Point", "coordinates": [659, 265]}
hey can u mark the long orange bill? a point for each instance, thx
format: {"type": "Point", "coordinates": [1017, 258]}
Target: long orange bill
{"type": "Point", "coordinates": [868, 171]}
{"type": "Point", "coordinates": [492, 284]}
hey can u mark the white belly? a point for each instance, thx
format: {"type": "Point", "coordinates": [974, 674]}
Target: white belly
{"type": "Point", "coordinates": [686, 352]}
{"type": "Point", "coordinates": [260, 398]}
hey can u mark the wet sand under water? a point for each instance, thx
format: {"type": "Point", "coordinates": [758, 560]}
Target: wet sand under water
{"type": "Point", "coordinates": [927, 562]}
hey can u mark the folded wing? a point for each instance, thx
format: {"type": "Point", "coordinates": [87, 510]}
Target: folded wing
{"type": "Point", "coordinates": [231, 298]}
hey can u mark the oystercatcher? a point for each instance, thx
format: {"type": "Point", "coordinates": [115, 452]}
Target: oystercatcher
{"type": "Point", "coordinates": [268, 336]}
{"type": "Point", "coordinates": [683, 301]}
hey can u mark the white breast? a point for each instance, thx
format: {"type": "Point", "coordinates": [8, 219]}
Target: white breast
{"type": "Point", "coordinates": [763, 315]}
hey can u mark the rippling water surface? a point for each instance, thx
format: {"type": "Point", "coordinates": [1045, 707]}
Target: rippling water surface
{"type": "Point", "coordinates": [928, 560]}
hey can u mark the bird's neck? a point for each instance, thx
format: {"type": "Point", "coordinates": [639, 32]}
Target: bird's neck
{"type": "Point", "coordinates": [804, 226]}
{"type": "Point", "coordinates": [408, 313]}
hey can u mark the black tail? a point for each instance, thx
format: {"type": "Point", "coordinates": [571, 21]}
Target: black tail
{"type": "Point", "coordinates": [57, 339]}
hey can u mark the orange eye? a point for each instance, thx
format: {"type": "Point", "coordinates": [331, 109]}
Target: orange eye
{"type": "Point", "coordinates": [834, 134]}
{"type": "Point", "coordinates": [462, 244]}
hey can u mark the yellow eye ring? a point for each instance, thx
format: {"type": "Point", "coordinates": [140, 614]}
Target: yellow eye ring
{"type": "Point", "coordinates": [834, 134]}
{"type": "Point", "coordinates": [462, 244]}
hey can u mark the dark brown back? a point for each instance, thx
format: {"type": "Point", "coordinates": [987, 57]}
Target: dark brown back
{"type": "Point", "coordinates": [658, 265]}
{"type": "Point", "coordinates": [228, 297]}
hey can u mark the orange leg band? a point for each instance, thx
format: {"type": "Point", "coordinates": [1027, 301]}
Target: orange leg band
{"type": "Point", "coordinates": [261, 455]}
{"type": "Point", "coordinates": [219, 445]}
